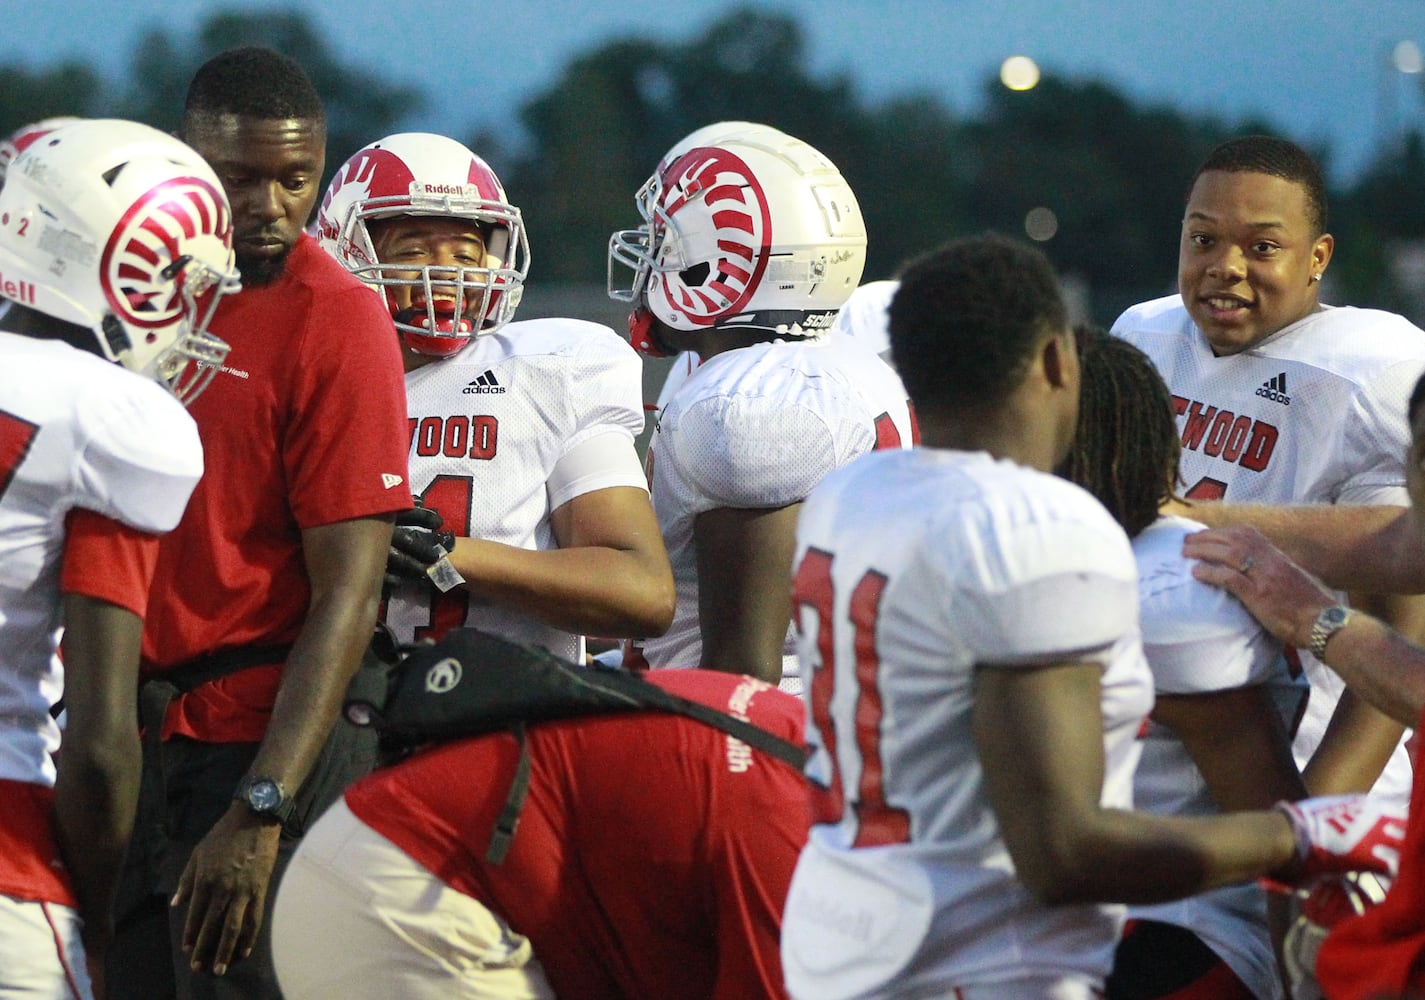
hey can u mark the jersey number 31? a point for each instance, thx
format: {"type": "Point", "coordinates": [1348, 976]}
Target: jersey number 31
{"type": "Point", "coordinates": [877, 822]}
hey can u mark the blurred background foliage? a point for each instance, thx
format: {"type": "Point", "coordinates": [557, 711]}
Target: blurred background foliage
{"type": "Point", "coordinates": [1111, 173]}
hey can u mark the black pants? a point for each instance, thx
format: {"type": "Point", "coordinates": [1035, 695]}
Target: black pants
{"type": "Point", "coordinates": [145, 961]}
{"type": "Point", "coordinates": [1158, 961]}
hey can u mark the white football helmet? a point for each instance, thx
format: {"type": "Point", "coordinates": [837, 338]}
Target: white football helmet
{"type": "Point", "coordinates": [418, 173]}
{"type": "Point", "coordinates": [16, 142]}
{"type": "Point", "coordinates": [744, 227]}
{"type": "Point", "coordinates": [123, 229]}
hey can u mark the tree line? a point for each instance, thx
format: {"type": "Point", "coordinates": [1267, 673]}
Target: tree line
{"type": "Point", "coordinates": [1112, 172]}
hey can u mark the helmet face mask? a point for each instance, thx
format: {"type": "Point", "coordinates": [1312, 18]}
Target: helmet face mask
{"type": "Point", "coordinates": [744, 227]}
{"type": "Point", "coordinates": [423, 175]}
{"type": "Point", "coordinates": [123, 230]}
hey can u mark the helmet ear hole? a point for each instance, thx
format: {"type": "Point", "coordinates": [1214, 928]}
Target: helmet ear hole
{"type": "Point", "coordinates": [697, 274]}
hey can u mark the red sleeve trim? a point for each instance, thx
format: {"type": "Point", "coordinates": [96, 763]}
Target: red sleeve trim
{"type": "Point", "coordinates": [107, 560]}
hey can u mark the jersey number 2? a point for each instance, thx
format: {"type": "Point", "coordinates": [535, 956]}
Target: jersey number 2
{"type": "Point", "coordinates": [877, 822]}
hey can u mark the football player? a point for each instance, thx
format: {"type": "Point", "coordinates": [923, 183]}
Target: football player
{"type": "Point", "coordinates": [1226, 699]}
{"type": "Point", "coordinates": [115, 247]}
{"type": "Point", "coordinates": [1282, 399]}
{"type": "Point", "coordinates": [651, 859]}
{"type": "Point", "coordinates": [750, 243]}
{"type": "Point", "coordinates": [977, 684]}
{"type": "Point", "coordinates": [521, 433]}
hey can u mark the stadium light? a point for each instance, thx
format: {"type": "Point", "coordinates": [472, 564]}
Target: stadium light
{"type": "Point", "coordinates": [1019, 73]}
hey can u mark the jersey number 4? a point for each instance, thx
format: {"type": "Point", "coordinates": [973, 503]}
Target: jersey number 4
{"type": "Point", "coordinates": [1207, 488]}
{"type": "Point", "coordinates": [451, 496]}
{"type": "Point", "coordinates": [877, 822]}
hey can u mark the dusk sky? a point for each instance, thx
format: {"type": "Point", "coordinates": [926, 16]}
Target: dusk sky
{"type": "Point", "coordinates": [1316, 69]}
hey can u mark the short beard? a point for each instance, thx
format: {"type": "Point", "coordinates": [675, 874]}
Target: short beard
{"type": "Point", "coordinates": [257, 271]}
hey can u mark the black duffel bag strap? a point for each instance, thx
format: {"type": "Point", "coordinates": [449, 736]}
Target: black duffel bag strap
{"type": "Point", "coordinates": [470, 683]}
{"type": "Point", "coordinates": [655, 697]}
{"type": "Point", "coordinates": [509, 818]}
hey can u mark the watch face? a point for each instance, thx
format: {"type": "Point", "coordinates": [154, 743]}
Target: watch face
{"type": "Point", "coordinates": [264, 795]}
{"type": "Point", "coordinates": [1333, 617]}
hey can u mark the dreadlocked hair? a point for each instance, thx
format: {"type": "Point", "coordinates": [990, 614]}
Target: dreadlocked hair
{"type": "Point", "coordinates": [1126, 444]}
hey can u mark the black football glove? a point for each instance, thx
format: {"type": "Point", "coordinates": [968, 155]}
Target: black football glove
{"type": "Point", "coordinates": [415, 545]}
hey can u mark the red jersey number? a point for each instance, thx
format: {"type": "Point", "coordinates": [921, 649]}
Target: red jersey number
{"type": "Point", "coordinates": [1207, 488]}
{"type": "Point", "coordinates": [888, 435]}
{"type": "Point", "coordinates": [16, 437]}
{"type": "Point", "coordinates": [451, 496]}
{"type": "Point", "coordinates": [877, 822]}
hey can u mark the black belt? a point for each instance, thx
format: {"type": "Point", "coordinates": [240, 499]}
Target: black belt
{"type": "Point", "coordinates": [156, 693]}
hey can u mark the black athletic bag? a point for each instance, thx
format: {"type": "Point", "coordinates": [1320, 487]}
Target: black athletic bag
{"type": "Point", "coordinates": [471, 683]}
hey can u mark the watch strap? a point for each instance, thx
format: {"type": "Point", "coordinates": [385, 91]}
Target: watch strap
{"type": "Point", "coordinates": [281, 812]}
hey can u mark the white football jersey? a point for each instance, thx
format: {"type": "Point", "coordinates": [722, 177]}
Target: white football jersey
{"type": "Point", "coordinates": [913, 567]}
{"type": "Point", "coordinates": [1313, 414]}
{"type": "Point", "coordinates": [865, 317]}
{"type": "Point", "coordinates": [493, 430]}
{"type": "Point", "coordinates": [758, 427]}
{"type": "Point", "coordinates": [684, 364]}
{"type": "Point", "coordinates": [1199, 638]}
{"type": "Point", "coordinates": [76, 431]}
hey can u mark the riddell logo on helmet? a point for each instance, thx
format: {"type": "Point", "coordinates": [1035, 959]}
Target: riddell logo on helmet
{"type": "Point", "coordinates": [20, 291]}
{"type": "Point", "coordinates": [443, 188]}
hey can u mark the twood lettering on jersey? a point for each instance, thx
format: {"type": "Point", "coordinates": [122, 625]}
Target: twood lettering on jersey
{"type": "Point", "coordinates": [455, 437]}
{"type": "Point", "coordinates": [1234, 438]}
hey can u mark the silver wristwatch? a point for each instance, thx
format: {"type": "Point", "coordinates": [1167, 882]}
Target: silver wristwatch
{"type": "Point", "coordinates": [1330, 621]}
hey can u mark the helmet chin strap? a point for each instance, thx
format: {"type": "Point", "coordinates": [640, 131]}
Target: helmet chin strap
{"type": "Point", "coordinates": [643, 334]}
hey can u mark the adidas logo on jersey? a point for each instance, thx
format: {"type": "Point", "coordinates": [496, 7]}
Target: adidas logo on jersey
{"type": "Point", "coordinates": [483, 385]}
{"type": "Point", "coordinates": [1275, 390]}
